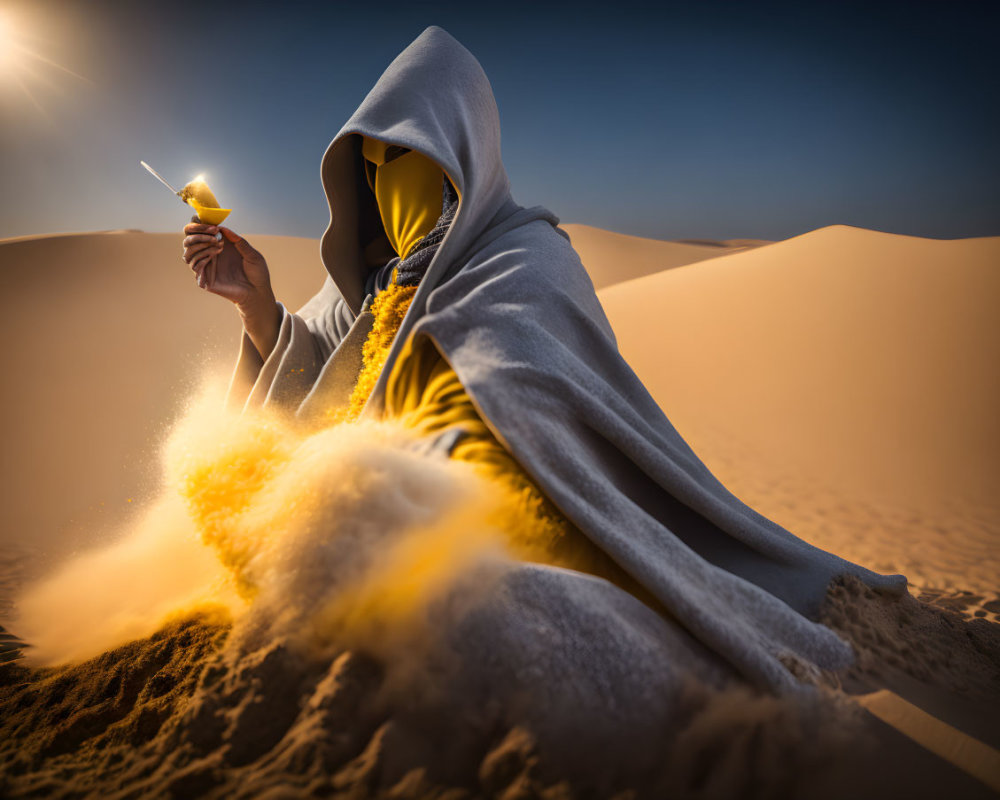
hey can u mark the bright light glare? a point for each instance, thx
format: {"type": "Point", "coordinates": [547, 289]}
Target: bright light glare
{"type": "Point", "coordinates": [24, 67]}
{"type": "Point", "coordinates": [7, 46]}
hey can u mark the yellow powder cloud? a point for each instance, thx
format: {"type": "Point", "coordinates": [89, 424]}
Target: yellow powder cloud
{"type": "Point", "coordinates": [333, 531]}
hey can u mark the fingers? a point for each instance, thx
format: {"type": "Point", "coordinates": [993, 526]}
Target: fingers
{"type": "Point", "coordinates": [192, 251]}
{"type": "Point", "coordinates": [195, 238]}
{"type": "Point", "coordinates": [199, 227]}
{"type": "Point", "coordinates": [199, 267]}
{"type": "Point", "coordinates": [195, 244]}
{"type": "Point", "coordinates": [199, 242]}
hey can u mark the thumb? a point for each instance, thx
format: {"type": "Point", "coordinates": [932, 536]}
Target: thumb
{"type": "Point", "coordinates": [242, 245]}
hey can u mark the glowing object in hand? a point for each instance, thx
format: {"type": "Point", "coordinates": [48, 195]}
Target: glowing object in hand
{"type": "Point", "coordinates": [197, 195]}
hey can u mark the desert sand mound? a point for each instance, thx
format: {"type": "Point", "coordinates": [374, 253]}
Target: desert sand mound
{"type": "Point", "coordinates": [111, 334]}
{"type": "Point", "coordinates": [612, 258]}
{"type": "Point", "coordinates": [839, 382]}
{"type": "Point", "coordinates": [98, 381]}
{"type": "Point", "coordinates": [189, 712]}
{"type": "Point", "coordinates": [844, 384]}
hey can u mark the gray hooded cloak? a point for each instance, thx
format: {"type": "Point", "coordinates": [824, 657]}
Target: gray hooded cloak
{"type": "Point", "coordinates": [509, 305]}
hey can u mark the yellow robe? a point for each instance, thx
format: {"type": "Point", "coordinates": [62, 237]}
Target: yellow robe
{"type": "Point", "coordinates": [426, 394]}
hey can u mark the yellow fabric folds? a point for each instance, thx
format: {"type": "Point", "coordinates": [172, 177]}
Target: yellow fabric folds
{"type": "Point", "coordinates": [408, 190]}
{"type": "Point", "coordinates": [424, 391]}
{"type": "Point", "coordinates": [427, 395]}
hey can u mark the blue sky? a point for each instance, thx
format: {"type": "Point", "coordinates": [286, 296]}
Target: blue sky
{"type": "Point", "coordinates": [698, 120]}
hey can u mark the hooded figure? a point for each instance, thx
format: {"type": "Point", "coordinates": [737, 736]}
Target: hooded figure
{"type": "Point", "coordinates": [491, 307]}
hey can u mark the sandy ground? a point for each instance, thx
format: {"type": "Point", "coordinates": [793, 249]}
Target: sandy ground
{"type": "Point", "coordinates": [111, 334]}
{"type": "Point", "coordinates": [841, 382]}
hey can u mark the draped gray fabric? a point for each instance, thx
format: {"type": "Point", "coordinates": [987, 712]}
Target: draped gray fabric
{"type": "Point", "coordinates": [509, 304]}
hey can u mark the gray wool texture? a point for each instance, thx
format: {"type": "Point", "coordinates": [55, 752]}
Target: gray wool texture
{"type": "Point", "coordinates": [509, 304]}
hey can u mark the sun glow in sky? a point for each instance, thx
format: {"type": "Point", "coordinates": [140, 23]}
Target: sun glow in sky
{"type": "Point", "coordinates": [8, 47]}
{"type": "Point", "coordinates": [6, 42]}
{"type": "Point", "coordinates": [24, 64]}
{"type": "Point", "coordinates": [713, 120]}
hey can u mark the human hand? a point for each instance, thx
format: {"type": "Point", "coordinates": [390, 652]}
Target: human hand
{"type": "Point", "coordinates": [225, 264]}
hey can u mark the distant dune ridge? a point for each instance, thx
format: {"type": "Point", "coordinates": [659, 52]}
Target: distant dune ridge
{"type": "Point", "coordinates": [856, 367]}
{"type": "Point", "coordinates": [120, 333]}
{"type": "Point", "coordinates": [843, 383]}
{"type": "Point", "coordinates": [612, 258]}
{"type": "Point", "coordinates": [181, 331]}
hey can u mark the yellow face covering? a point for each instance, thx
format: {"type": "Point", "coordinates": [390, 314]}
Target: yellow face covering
{"type": "Point", "coordinates": [408, 191]}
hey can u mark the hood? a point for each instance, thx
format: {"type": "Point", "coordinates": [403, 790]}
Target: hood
{"type": "Point", "coordinates": [510, 307]}
{"type": "Point", "coordinates": [433, 98]}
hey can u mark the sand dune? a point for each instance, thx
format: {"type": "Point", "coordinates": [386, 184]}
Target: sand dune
{"type": "Point", "coordinates": [615, 257]}
{"type": "Point", "coordinates": [112, 333]}
{"type": "Point", "coordinates": [106, 333]}
{"type": "Point", "coordinates": [843, 382]}
{"type": "Point", "coordinates": [853, 368]}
